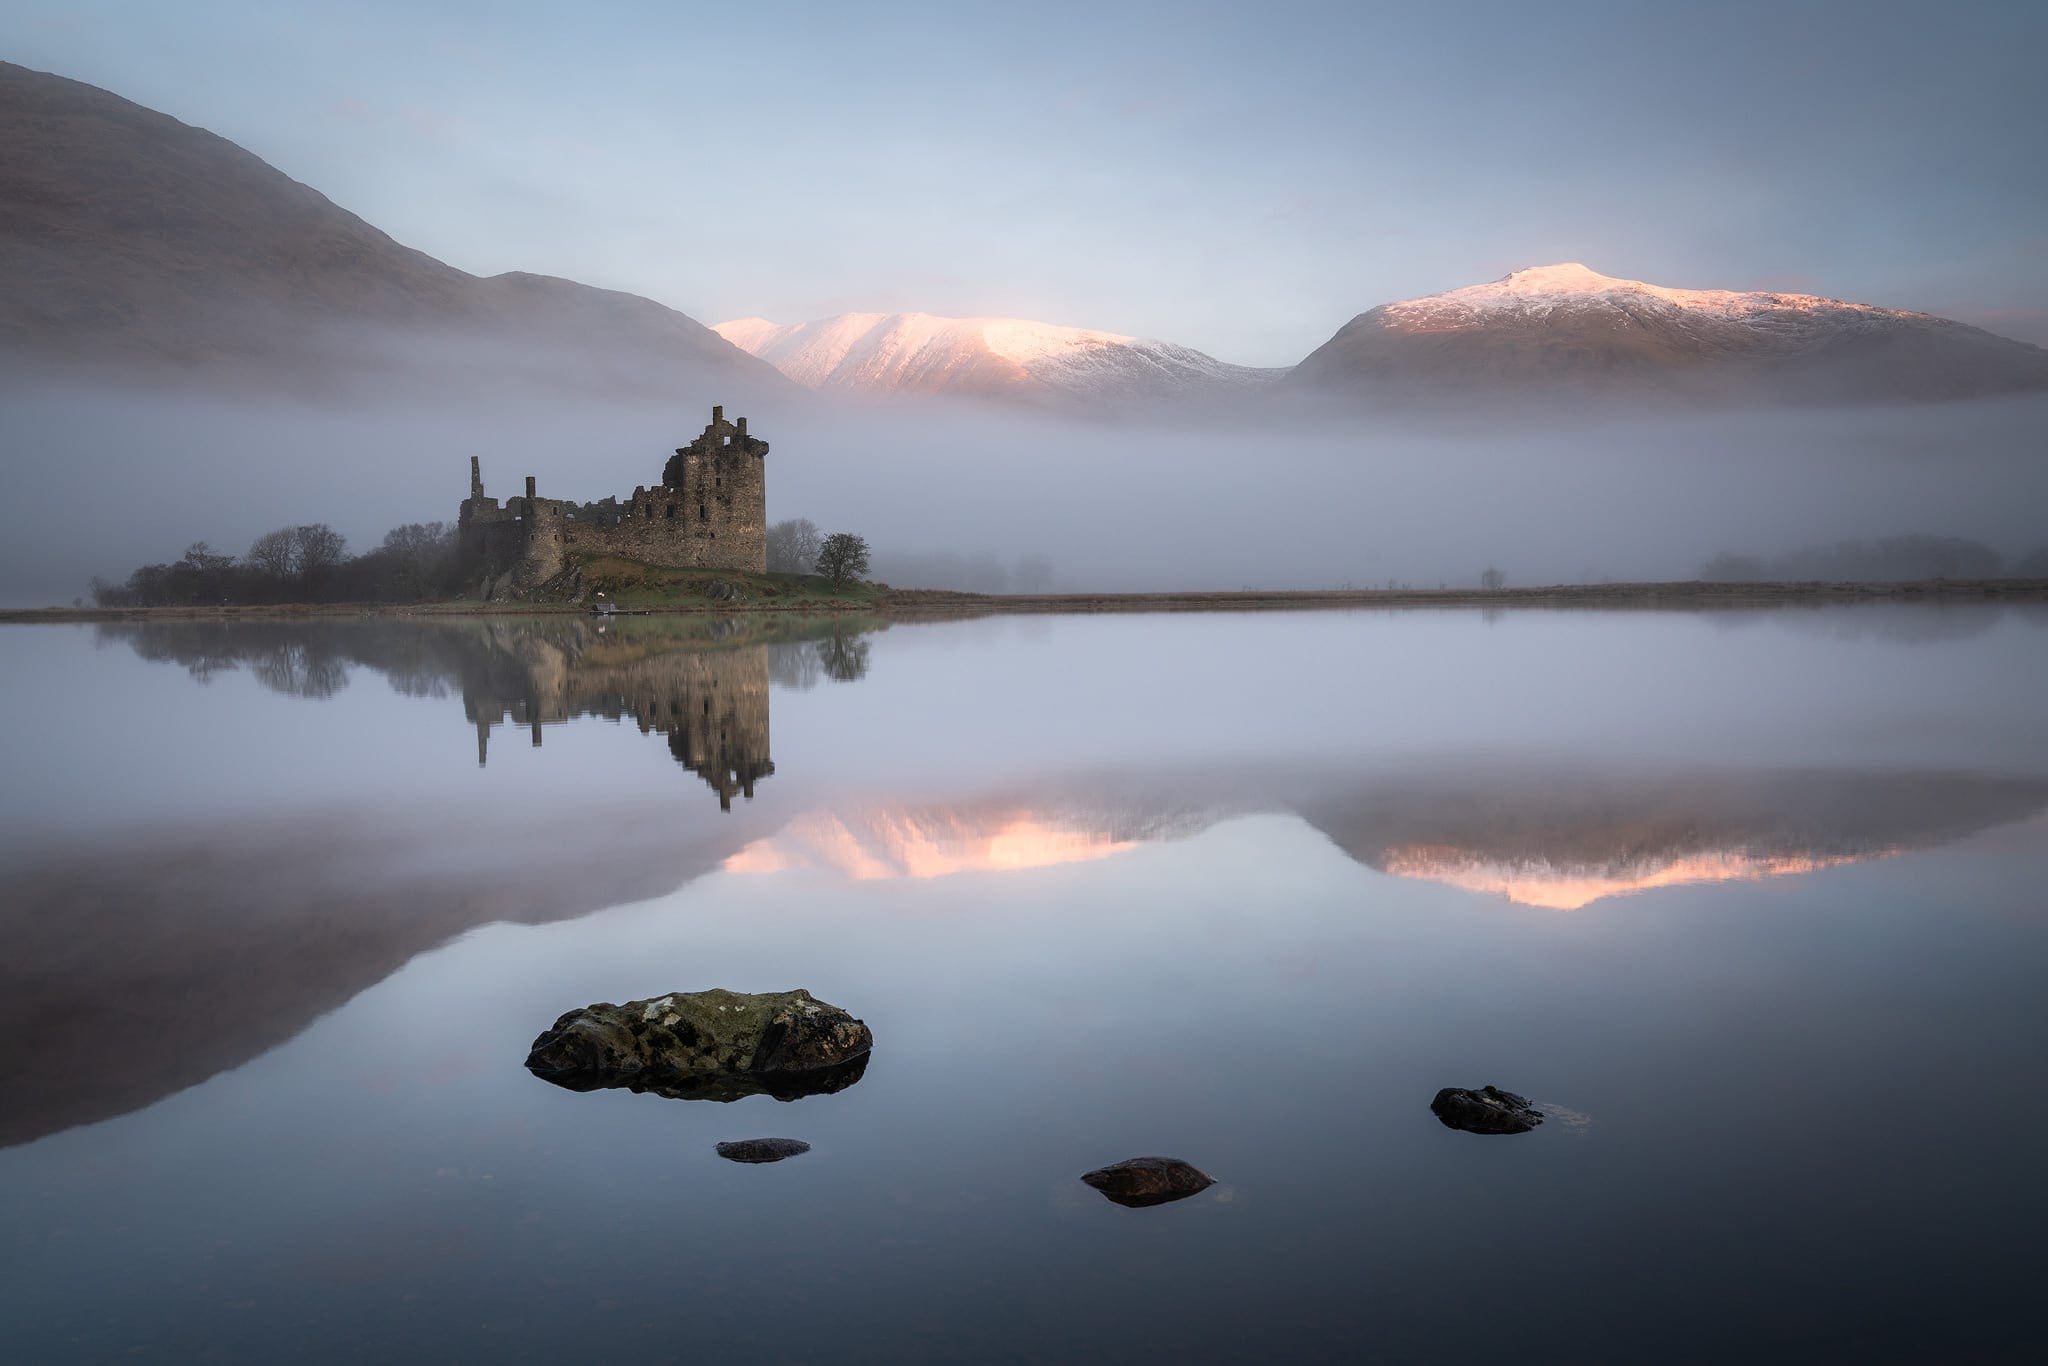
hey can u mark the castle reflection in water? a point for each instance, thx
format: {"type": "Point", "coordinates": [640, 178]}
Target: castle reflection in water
{"type": "Point", "coordinates": [703, 683]}
{"type": "Point", "coordinates": [711, 704]}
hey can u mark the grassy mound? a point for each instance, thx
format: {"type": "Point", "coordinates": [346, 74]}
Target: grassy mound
{"type": "Point", "coordinates": [632, 584]}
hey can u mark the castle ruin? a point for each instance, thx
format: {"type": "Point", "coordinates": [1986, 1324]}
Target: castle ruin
{"type": "Point", "coordinates": [708, 512]}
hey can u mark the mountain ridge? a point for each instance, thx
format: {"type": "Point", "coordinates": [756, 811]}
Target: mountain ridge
{"type": "Point", "coordinates": [987, 357]}
{"type": "Point", "coordinates": [1568, 328]}
{"type": "Point", "coordinates": [135, 245]}
{"type": "Point", "coordinates": [137, 242]}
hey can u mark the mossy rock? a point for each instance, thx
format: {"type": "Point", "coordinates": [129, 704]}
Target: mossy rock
{"type": "Point", "coordinates": [706, 1045]}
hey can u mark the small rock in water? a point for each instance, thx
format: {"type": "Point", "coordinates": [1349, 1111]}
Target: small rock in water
{"type": "Point", "coordinates": [1143, 1181]}
{"type": "Point", "coordinates": [1489, 1110]}
{"type": "Point", "coordinates": [762, 1149]}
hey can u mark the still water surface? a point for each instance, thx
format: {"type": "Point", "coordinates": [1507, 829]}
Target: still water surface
{"type": "Point", "coordinates": [1750, 904]}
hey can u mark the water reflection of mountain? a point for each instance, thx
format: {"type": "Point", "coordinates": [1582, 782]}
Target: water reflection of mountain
{"type": "Point", "coordinates": [1565, 839]}
{"type": "Point", "coordinates": [700, 681]}
{"type": "Point", "coordinates": [137, 970]}
{"type": "Point", "coordinates": [873, 840]}
{"type": "Point", "coordinates": [1539, 837]}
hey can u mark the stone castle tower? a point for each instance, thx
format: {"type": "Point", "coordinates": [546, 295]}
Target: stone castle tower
{"type": "Point", "coordinates": [708, 512]}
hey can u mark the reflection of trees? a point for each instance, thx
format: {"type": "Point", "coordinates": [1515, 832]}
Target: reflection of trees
{"type": "Point", "coordinates": [299, 670]}
{"type": "Point", "coordinates": [703, 682]}
{"type": "Point", "coordinates": [794, 665]}
{"type": "Point", "coordinates": [1902, 623]}
{"type": "Point", "coordinates": [310, 660]}
{"type": "Point", "coordinates": [1895, 623]}
{"type": "Point", "coordinates": [844, 657]}
{"type": "Point", "coordinates": [295, 661]}
{"type": "Point", "coordinates": [841, 656]}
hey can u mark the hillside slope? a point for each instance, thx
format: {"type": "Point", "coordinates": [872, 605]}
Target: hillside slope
{"type": "Point", "coordinates": [131, 242]}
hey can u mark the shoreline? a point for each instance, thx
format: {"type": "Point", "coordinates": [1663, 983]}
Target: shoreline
{"type": "Point", "coordinates": [914, 603]}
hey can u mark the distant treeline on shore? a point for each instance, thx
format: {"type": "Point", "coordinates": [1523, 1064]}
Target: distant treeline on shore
{"type": "Point", "coordinates": [414, 563]}
{"type": "Point", "coordinates": [417, 563]}
{"type": "Point", "coordinates": [1892, 559]}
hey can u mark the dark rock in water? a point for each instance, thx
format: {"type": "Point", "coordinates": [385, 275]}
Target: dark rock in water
{"type": "Point", "coordinates": [1145, 1181]}
{"type": "Point", "coordinates": [762, 1149]}
{"type": "Point", "coordinates": [706, 1045]}
{"type": "Point", "coordinates": [1489, 1110]}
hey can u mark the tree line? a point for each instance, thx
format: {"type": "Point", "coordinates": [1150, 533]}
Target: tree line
{"type": "Point", "coordinates": [416, 562]}
{"type": "Point", "coordinates": [311, 563]}
{"type": "Point", "coordinates": [1893, 559]}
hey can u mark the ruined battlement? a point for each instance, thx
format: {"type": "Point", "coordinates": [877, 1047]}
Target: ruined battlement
{"type": "Point", "coordinates": [708, 512]}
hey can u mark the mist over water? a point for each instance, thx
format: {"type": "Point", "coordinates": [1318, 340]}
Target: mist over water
{"type": "Point", "coordinates": [1745, 900]}
{"type": "Point", "coordinates": [1267, 496]}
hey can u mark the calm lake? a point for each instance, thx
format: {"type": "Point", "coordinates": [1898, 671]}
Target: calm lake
{"type": "Point", "coordinates": [1750, 904]}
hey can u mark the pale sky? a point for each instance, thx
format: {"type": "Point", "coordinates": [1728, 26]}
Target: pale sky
{"type": "Point", "coordinates": [1238, 178]}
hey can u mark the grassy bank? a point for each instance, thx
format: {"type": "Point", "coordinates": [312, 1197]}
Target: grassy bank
{"type": "Point", "coordinates": [636, 586]}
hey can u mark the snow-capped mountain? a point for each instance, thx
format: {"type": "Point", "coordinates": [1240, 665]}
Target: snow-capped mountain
{"type": "Point", "coordinates": [986, 357]}
{"type": "Point", "coordinates": [1565, 327]}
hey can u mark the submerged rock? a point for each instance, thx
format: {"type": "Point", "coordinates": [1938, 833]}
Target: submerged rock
{"type": "Point", "coordinates": [762, 1149]}
{"type": "Point", "coordinates": [706, 1045]}
{"type": "Point", "coordinates": [1489, 1110]}
{"type": "Point", "coordinates": [1142, 1181]}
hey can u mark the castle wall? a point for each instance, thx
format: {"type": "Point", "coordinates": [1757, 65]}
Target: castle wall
{"type": "Point", "coordinates": [709, 512]}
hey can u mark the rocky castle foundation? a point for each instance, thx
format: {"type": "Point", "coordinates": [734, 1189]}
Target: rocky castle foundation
{"type": "Point", "coordinates": [708, 512]}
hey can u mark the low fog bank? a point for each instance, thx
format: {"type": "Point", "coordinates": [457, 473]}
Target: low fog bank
{"type": "Point", "coordinates": [104, 481]}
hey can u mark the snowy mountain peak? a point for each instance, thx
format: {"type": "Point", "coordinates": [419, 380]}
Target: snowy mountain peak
{"type": "Point", "coordinates": [1568, 328]}
{"type": "Point", "coordinates": [1016, 357]}
{"type": "Point", "coordinates": [1564, 275]}
{"type": "Point", "coordinates": [1537, 289]}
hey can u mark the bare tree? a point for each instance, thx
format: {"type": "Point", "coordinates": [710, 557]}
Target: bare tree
{"type": "Point", "coordinates": [273, 555]}
{"type": "Point", "coordinates": [199, 557]}
{"type": "Point", "coordinates": [418, 556]}
{"type": "Point", "coordinates": [793, 546]}
{"type": "Point", "coordinates": [843, 557]}
{"type": "Point", "coordinates": [201, 575]}
{"type": "Point", "coordinates": [317, 549]}
{"type": "Point", "coordinates": [1493, 578]}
